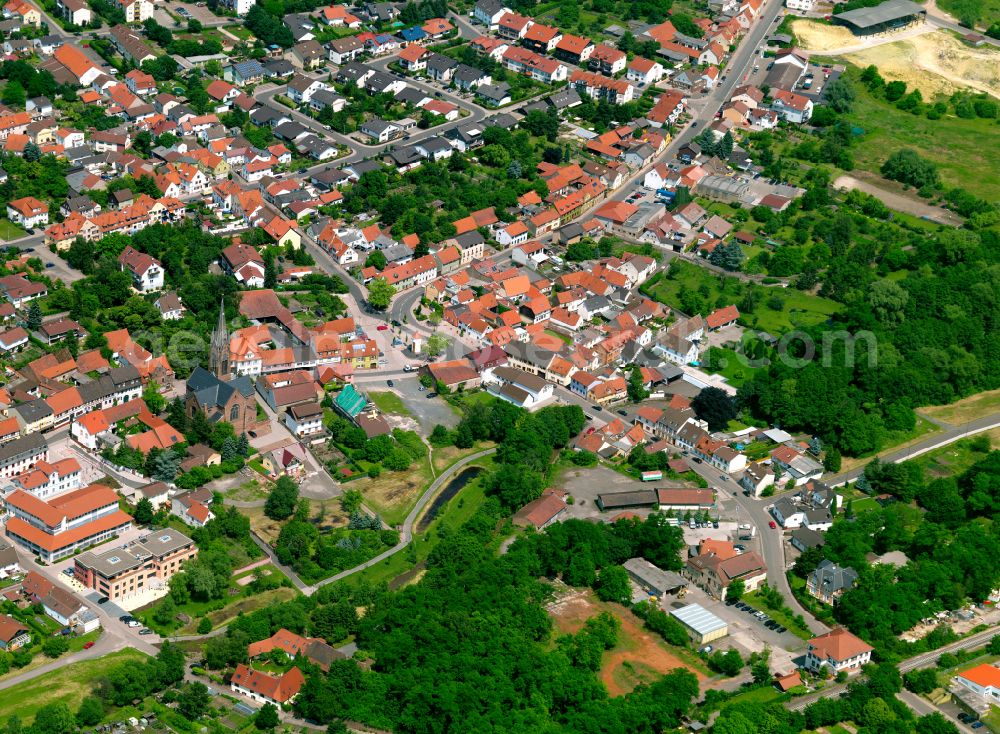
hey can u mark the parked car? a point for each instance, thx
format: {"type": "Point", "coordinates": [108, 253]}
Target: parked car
{"type": "Point", "coordinates": [382, 327]}
{"type": "Point", "coordinates": [772, 525]}
{"type": "Point", "coordinates": [598, 408]}
{"type": "Point", "coordinates": [390, 383]}
{"type": "Point", "coordinates": [623, 412]}
{"type": "Point", "coordinates": [145, 631]}
{"type": "Point", "coordinates": [431, 395]}
{"type": "Point", "coordinates": [88, 645]}
{"type": "Point", "coordinates": [103, 600]}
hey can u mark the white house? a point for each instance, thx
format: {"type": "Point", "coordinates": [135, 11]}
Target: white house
{"type": "Point", "coordinates": [837, 650]}
{"type": "Point", "coordinates": [28, 212]}
{"type": "Point", "coordinates": [518, 387]}
{"type": "Point", "coordinates": [489, 12]}
{"type": "Point", "coordinates": [792, 107]}
{"type": "Point", "coordinates": [146, 271]}
{"type": "Point", "coordinates": [791, 515]}
{"type": "Point", "coordinates": [304, 420]}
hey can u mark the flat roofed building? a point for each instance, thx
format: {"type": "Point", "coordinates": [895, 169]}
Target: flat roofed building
{"type": "Point", "coordinates": [147, 562]}
{"type": "Point", "coordinates": [701, 625]}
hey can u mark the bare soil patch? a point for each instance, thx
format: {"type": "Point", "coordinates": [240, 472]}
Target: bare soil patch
{"type": "Point", "coordinates": [640, 655]}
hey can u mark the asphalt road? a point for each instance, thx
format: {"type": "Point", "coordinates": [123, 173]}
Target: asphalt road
{"type": "Point", "coordinates": [949, 435]}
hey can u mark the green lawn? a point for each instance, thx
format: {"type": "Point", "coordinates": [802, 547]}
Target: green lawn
{"type": "Point", "coordinates": [982, 12]}
{"type": "Point", "coordinates": [960, 148]}
{"type": "Point", "coordinates": [864, 504]}
{"type": "Point", "coordinates": [239, 31]}
{"type": "Point", "coordinates": [949, 460]}
{"type": "Point", "coordinates": [778, 615]}
{"type": "Point", "coordinates": [776, 310]}
{"type": "Point", "coordinates": [763, 695]}
{"type": "Point", "coordinates": [10, 231]}
{"type": "Point", "coordinates": [70, 685]}
{"type": "Point", "coordinates": [734, 369]}
{"type": "Point", "coordinates": [389, 402]}
{"type": "Point", "coordinates": [992, 720]}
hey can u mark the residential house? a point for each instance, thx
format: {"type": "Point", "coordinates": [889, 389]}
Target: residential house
{"type": "Point", "coordinates": [837, 651]}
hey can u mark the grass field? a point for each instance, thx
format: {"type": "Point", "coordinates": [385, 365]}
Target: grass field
{"type": "Point", "coordinates": [992, 720]}
{"type": "Point", "coordinates": [797, 309]}
{"type": "Point", "coordinates": [765, 695]}
{"type": "Point", "coordinates": [949, 461]}
{"type": "Point", "coordinates": [245, 605]}
{"type": "Point", "coordinates": [959, 148]}
{"type": "Point", "coordinates": [70, 684]}
{"type": "Point", "coordinates": [393, 494]}
{"type": "Point", "coordinates": [965, 410]}
{"type": "Point", "coordinates": [389, 402]}
{"type": "Point", "coordinates": [894, 441]}
{"type": "Point", "coordinates": [735, 372]}
{"type": "Point", "coordinates": [983, 12]}
{"type": "Point", "coordinates": [10, 231]}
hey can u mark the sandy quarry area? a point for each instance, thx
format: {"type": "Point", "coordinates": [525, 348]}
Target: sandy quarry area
{"type": "Point", "coordinates": [935, 62]}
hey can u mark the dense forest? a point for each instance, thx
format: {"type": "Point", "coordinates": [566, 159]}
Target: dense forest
{"type": "Point", "coordinates": [926, 338]}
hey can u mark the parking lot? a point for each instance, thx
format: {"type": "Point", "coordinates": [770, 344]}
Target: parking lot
{"type": "Point", "coordinates": [428, 412]}
{"type": "Point", "coordinates": [585, 484]}
{"type": "Point", "coordinates": [747, 633]}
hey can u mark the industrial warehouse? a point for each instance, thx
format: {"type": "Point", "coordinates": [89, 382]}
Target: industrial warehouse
{"type": "Point", "coordinates": [893, 15]}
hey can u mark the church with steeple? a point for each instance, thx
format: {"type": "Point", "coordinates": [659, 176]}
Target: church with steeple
{"type": "Point", "coordinates": [216, 394]}
{"type": "Point", "coordinates": [218, 357]}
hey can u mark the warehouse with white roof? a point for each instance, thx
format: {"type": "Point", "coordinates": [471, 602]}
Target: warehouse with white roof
{"type": "Point", "coordinates": [702, 626]}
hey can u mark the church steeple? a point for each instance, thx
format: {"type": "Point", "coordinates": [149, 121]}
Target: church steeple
{"type": "Point", "coordinates": [218, 358]}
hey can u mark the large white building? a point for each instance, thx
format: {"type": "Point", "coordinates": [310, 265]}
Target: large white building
{"type": "Point", "coordinates": [837, 650]}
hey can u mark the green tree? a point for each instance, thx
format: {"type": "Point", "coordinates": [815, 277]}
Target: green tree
{"type": "Point", "coordinates": [54, 718]}
{"type": "Point", "coordinates": [280, 503]}
{"type": "Point", "coordinates": [91, 711]}
{"type": "Point", "coordinates": [907, 166]}
{"type": "Point", "coordinates": [735, 590]}
{"type": "Point", "coordinates": [636, 387]}
{"type": "Point", "coordinates": [267, 717]}
{"type": "Point", "coordinates": [53, 647]}
{"type": "Point", "coordinates": [380, 294]}
{"type": "Point", "coordinates": [204, 626]}
{"type": "Point", "coordinates": [34, 317]}
{"type": "Point", "coordinates": [14, 94]}
{"type": "Point", "coordinates": [435, 344]}
{"type": "Point", "coordinates": [143, 512]}
{"type": "Point", "coordinates": [193, 701]}
{"type": "Point", "coordinates": [153, 399]}
{"type": "Point", "coordinates": [613, 585]}
{"type": "Point", "coordinates": [715, 406]}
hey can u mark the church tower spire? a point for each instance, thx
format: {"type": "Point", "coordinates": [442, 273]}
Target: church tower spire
{"type": "Point", "coordinates": [218, 358]}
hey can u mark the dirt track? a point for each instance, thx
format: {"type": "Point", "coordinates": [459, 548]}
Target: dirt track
{"type": "Point", "coordinates": [899, 202]}
{"type": "Point", "coordinates": [640, 655]}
